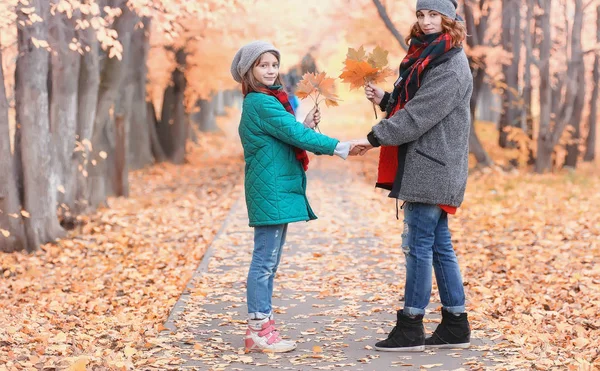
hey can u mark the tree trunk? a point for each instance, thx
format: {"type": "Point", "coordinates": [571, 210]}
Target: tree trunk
{"type": "Point", "coordinates": [173, 127]}
{"type": "Point", "coordinates": [12, 232]}
{"type": "Point", "coordinates": [140, 147]}
{"type": "Point", "coordinates": [63, 102]}
{"type": "Point", "coordinates": [37, 149]}
{"type": "Point", "coordinates": [511, 43]}
{"type": "Point", "coordinates": [574, 68]}
{"type": "Point", "coordinates": [219, 103]}
{"type": "Point", "coordinates": [121, 178]}
{"type": "Point", "coordinates": [572, 155]}
{"type": "Point", "coordinates": [207, 121]}
{"type": "Point", "coordinates": [229, 98]}
{"type": "Point", "coordinates": [103, 139]}
{"type": "Point", "coordinates": [590, 144]}
{"type": "Point", "coordinates": [477, 31]}
{"type": "Point", "coordinates": [527, 115]}
{"type": "Point", "coordinates": [89, 83]}
{"type": "Point", "coordinates": [157, 150]}
{"type": "Point", "coordinates": [475, 146]}
{"type": "Point", "coordinates": [543, 161]}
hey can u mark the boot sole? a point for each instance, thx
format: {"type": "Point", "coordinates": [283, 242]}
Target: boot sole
{"type": "Point", "coordinates": [449, 346]}
{"type": "Point", "coordinates": [418, 348]}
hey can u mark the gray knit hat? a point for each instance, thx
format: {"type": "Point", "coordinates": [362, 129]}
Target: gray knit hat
{"type": "Point", "coordinates": [444, 7]}
{"type": "Point", "coordinates": [247, 55]}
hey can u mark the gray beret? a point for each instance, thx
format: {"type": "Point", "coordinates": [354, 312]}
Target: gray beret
{"type": "Point", "coordinates": [444, 7]}
{"type": "Point", "coordinates": [247, 55]}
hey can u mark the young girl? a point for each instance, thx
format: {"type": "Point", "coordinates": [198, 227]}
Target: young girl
{"type": "Point", "coordinates": [424, 162]}
{"type": "Point", "coordinates": [275, 146]}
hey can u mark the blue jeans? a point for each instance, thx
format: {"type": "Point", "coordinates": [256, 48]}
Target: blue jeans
{"type": "Point", "coordinates": [426, 242]}
{"type": "Point", "coordinates": [268, 245]}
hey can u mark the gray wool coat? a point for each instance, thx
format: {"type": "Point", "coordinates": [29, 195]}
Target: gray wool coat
{"type": "Point", "coordinates": [434, 125]}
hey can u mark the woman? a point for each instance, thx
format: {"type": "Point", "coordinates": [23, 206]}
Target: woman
{"type": "Point", "coordinates": [424, 161]}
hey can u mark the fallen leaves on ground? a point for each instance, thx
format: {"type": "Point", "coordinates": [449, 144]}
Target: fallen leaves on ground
{"type": "Point", "coordinates": [96, 299]}
{"type": "Point", "coordinates": [529, 249]}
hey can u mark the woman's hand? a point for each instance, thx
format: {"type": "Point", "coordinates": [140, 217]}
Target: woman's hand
{"type": "Point", "coordinates": [360, 147]}
{"type": "Point", "coordinates": [374, 93]}
{"type": "Point", "coordinates": [313, 118]}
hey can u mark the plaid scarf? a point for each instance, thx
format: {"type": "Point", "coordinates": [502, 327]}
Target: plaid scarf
{"type": "Point", "coordinates": [425, 52]}
{"type": "Point", "coordinates": [282, 97]}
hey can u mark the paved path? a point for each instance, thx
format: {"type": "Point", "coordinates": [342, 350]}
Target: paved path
{"type": "Point", "coordinates": [336, 292]}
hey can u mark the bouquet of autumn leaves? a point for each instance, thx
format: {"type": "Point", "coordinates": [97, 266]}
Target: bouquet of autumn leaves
{"type": "Point", "coordinates": [319, 88]}
{"type": "Point", "coordinates": [361, 69]}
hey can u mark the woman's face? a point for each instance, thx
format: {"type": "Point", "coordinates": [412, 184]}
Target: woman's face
{"type": "Point", "coordinates": [267, 69]}
{"type": "Point", "coordinates": [430, 21]}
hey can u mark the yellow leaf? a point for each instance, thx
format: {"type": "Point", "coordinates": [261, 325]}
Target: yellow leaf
{"type": "Point", "coordinates": [129, 351]}
{"type": "Point", "coordinates": [317, 349]}
{"type": "Point", "coordinates": [357, 55]}
{"type": "Point", "coordinates": [103, 155]}
{"type": "Point", "coordinates": [61, 189]}
{"type": "Point", "coordinates": [4, 232]}
{"type": "Point", "coordinates": [378, 58]}
{"type": "Point", "coordinates": [433, 365]}
{"type": "Point", "coordinates": [79, 365]}
{"type": "Point", "coordinates": [25, 214]}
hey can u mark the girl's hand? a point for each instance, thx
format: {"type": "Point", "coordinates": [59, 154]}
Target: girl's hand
{"type": "Point", "coordinates": [374, 93]}
{"type": "Point", "coordinates": [313, 118]}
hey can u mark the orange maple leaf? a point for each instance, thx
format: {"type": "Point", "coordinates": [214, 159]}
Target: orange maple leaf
{"type": "Point", "coordinates": [316, 86]}
{"type": "Point", "coordinates": [371, 68]}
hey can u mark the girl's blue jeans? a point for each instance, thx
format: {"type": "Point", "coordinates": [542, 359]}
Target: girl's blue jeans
{"type": "Point", "coordinates": [268, 245]}
{"type": "Point", "coordinates": [426, 243]}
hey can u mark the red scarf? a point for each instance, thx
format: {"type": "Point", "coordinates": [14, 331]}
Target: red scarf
{"type": "Point", "coordinates": [423, 50]}
{"type": "Point", "coordinates": [282, 97]}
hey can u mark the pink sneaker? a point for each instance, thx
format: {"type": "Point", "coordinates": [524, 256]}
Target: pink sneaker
{"type": "Point", "coordinates": [261, 336]}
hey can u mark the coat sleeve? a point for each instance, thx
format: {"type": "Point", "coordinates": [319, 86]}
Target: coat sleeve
{"type": "Point", "coordinates": [279, 123]}
{"type": "Point", "coordinates": [436, 98]}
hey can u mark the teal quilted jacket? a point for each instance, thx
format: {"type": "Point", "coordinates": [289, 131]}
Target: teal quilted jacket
{"type": "Point", "coordinates": [275, 182]}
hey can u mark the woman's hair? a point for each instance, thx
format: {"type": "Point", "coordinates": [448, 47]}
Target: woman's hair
{"type": "Point", "coordinates": [249, 82]}
{"type": "Point", "coordinates": [455, 29]}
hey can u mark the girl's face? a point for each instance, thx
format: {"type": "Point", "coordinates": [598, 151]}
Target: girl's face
{"type": "Point", "coordinates": [430, 21]}
{"type": "Point", "coordinates": [267, 69]}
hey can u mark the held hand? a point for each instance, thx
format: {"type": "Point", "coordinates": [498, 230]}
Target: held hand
{"type": "Point", "coordinates": [360, 147]}
{"type": "Point", "coordinates": [374, 93]}
{"type": "Point", "coordinates": [313, 118]}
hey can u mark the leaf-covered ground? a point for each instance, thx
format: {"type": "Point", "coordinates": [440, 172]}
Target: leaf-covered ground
{"type": "Point", "coordinates": [529, 246]}
{"type": "Point", "coordinates": [96, 297]}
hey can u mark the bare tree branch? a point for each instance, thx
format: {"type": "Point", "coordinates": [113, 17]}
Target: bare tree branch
{"type": "Point", "coordinates": [388, 23]}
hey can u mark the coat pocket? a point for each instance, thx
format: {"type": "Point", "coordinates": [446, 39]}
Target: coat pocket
{"type": "Point", "coordinates": [431, 158]}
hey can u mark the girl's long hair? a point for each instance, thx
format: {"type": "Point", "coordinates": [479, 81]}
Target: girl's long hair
{"type": "Point", "coordinates": [455, 29]}
{"type": "Point", "coordinates": [251, 84]}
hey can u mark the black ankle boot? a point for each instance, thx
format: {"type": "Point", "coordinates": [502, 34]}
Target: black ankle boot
{"type": "Point", "coordinates": [407, 336]}
{"type": "Point", "coordinates": [453, 332]}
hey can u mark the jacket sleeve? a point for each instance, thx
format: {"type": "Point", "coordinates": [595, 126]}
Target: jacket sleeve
{"type": "Point", "coordinates": [436, 98]}
{"type": "Point", "coordinates": [279, 123]}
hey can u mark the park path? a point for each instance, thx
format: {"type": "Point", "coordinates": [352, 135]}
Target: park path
{"type": "Point", "coordinates": [336, 293]}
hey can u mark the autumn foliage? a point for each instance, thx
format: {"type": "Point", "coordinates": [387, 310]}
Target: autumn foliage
{"type": "Point", "coordinates": [360, 68]}
{"type": "Point", "coordinates": [319, 88]}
